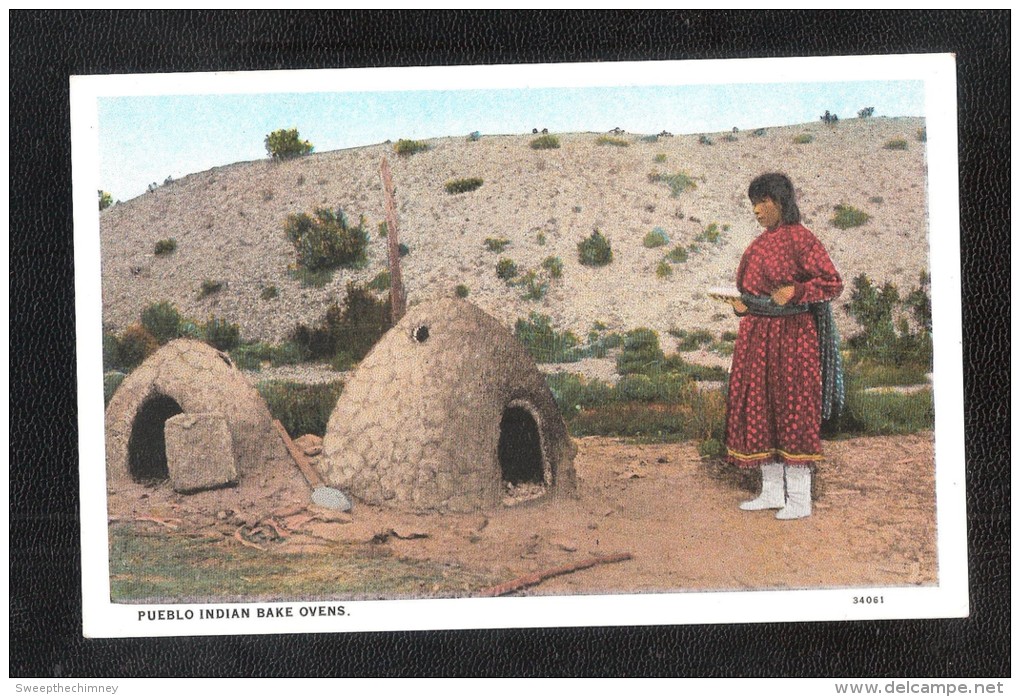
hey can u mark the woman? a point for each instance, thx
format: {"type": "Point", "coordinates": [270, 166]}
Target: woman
{"type": "Point", "coordinates": [775, 402]}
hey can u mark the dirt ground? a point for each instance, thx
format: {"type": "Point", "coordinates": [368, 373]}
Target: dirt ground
{"type": "Point", "coordinates": [677, 516]}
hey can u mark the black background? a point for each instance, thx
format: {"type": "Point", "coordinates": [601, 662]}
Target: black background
{"type": "Point", "coordinates": [45, 595]}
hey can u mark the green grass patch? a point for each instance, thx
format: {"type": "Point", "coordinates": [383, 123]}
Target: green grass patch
{"type": "Point", "coordinates": [302, 408]}
{"type": "Point", "coordinates": [691, 340]}
{"type": "Point", "coordinates": [506, 269]}
{"type": "Point", "coordinates": [381, 282]}
{"type": "Point", "coordinates": [545, 142]}
{"type": "Point", "coordinates": [496, 244]}
{"type": "Point", "coordinates": [164, 567]}
{"type": "Point", "coordinates": [405, 147]}
{"type": "Point", "coordinates": [663, 269]}
{"type": "Point", "coordinates": [165, 247]}
{"type": "Point", "coordinates": [847, 217]}
{"type": "Point", "coordinates": [462, 186]}
{"type": "Point", "coordinates": [678, 254]}
{"type": "Point", "coordinates": [610, 140]}
{"type": "Point", "coordinates": [677, 183]}
{"type": "Point", "coordinates": [884, 413]}
{"type": "Point", "coordinates": [657, 237]}
{"type": "Point", "coordinates": [870, 374]}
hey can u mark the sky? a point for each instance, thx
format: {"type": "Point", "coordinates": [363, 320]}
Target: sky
{"type": "Point", "coordinates": [145, 139]}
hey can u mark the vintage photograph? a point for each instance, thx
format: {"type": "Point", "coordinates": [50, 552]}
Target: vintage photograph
{"type": "Point", "coordinates": [498, 346]}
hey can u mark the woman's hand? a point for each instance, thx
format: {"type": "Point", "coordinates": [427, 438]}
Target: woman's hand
{"type": "Point", "coordinates": [782, 295]}
{"type": "Point", "coordinates": [738, 305]}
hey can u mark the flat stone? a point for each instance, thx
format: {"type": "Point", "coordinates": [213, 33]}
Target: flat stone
{"type": "Point", "coordinates": [199, 452]}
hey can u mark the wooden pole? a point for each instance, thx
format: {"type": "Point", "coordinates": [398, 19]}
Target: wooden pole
{"type": "Point", "coordinates": [539, 576]}
{"type": "Point", "coordinates": [398, 301]}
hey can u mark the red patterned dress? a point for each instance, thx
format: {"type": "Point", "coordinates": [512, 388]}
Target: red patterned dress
{"type": "Point", "coordinates": [773, 409]}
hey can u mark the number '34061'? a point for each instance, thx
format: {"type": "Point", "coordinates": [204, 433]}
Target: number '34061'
{"type": "Point", "coordinates": [869, 599]}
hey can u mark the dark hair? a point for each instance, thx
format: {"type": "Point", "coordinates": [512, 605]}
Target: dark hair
{"type": "Point", "coordinates": [779, 188]}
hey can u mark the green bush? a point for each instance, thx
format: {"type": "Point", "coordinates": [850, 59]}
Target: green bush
{"type": "Point", "coordinates": [403, 250]}
{"type": "Point", "coordinates": [692, 340]}
{"type": "Point", "coordinates": [461, 291]}
{"type": "Point", "coordinates": [641, 353]}
{"type": "Point", "coordinates": [506, 269]}
{"type": "Point", "coordinates": [652, 138]}
{"type": "Point", "coordinates": [705, 140]}
{"type": "Point", "coordinates": [711, 448]}
{"type": "Point", "coordinates": [885, 340]}
{"type": "Point", "coordinates": [534, 287]}
{"type": "Point", "coordinates": [269, 292]}
{"type": "Point", "coordinates": [883, 413]}
{"type": "Point", "coordinates": [896, 144]}
{"type": "Point", "coordinates": [461, 186]}
{"type": "Point", "coordinates": [406, 148]}
{"type": "Point", "coordinates": [135, 345]}
{"type": "Point", "coordinates": [355, 328]}
{"type": "Point", "coordinates": [544, 343]}
{"type": "Point", "coordinates": [656, 238]}
{"type": "Point", "coordinates": [285, 143]}
{"type": "Point", "coordinates": [251, 356]}
{"type": "Point", "coordinates": [553, 265]}
{"type": "Point", "coordinates": [677, 183]}
{"type": "Point", "coordinates": [610, 140]}
{"type": "Point", "coordinates": [209, 288]}
{"type": "Point", "coordinates": [319, 278]}
{"type": "Point", "coordinates": [574, 392]}
{"type": "Point", "coordinates": [803, 139]}
{"type": "Point", "coordinates": [866, 113]}
{"type": "Point", "coordinates": [545, 142]}
{"type": "Point", "coordinates": [381, 281]}
{"type": "Point", "coordinates": [540, 238]}
{"type": "Point", "coordinates": [496, 244]}
{"type": "Point", "coordinates": [474, 136]}
{"type": "Point", "coordinates": [326, 241]}
{"type": "Point", "coordinates": [595, 250]}
{"type": "Point", "coordinates": [660, 158]}
{"type": "Point", "coordinates": [848, 217]}
{"type": "Point", "coordinates": [342, 361]}
{"type": "Point", "coordinates": [111, 351]}
{"type": "Point", "coordinates": [105, 200]}
{"type": "Point", "coordinates": [663, 270]}
{"type": "Point", "coordinates": [221, 334]}
{"type": "Point", "coordinates": [710, 234]}
{"type": "Point", "coordinates": [867, 373]}
{"type": "Point", "coordinates": [301, 408]}
{"type": "Point", "coordinates": [165, 247]}
{"type": "Point", "coordinates": [111, 381]}
{"type": "Point", "coordinates": [678, 254]}
{"type": "Point", "coordinates": [287, 353]}
{"type": "Point", "coordinates": [162, 320]}
{"type": "Point", "coordinates": [674, 363]}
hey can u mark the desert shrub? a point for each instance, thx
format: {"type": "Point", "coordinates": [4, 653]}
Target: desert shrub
{"type": "Point", "coordinates": [656, 238]}
{"type": "Point", "coordinates": [381, 281]}
{"type": "Point", "coordinates": [867, 373]}
{"type": "Point", "coordinates": [355, 328]}
{"type": "Point", "coordinates": [506, 269]}
{"type": "Point", "coordinates": [162, 320]}
{"type": "Point", "coordinates": [595, 250]}
{"type": "Point", "coordinates": [675, 363]}
{"type": "Point", "coordinates": [134, 346]}
{"type": "Point", "coordinates": [301, 408]}
{"type": "Point", "coordinates": [285, 143]}
{"type": "Point", "coordinates": [574, 392]}
{"type": "Point", "coordinates": [710, 448]}
{"type": "Point", "coordinates": [663, 270]}
{"type": "Point", "coordinates": [758, 132]}
{"type": "Point", "coordinates": [729, 138]}
{"type": "Point", "coordinates": [534, 286]}
{"type": "Point", "coordinates": [545, 142]}
{"type": "Point", "coordinates": [553, 265]}
{"type": "Point", "coordinates": [111, 351]}
{"type": "Point", "coordinates": [209, 287]}
{"type": "Point", "coordinates": [474, 136]}
{"type": "Point", "coordinates": [660, 157]}
{"type": "Point", "coordinates": [383, 229]}
{"type": "Point", "coordinates": [403, 250]}
{"type": "Point", "coordinates": [111, 381]}
{"type": "Point", "coordinates": [677, 183]}
{"type": "Point", "coordinates": [326, 241]}
{"type": "Point", "coordinates": [876, 199]}
{"type": "Point", "coordinates": [461, 291]}
{"type": "Point", "coordinates": [896, 144]}
{"type": "Point", "coordinates": [634, 420]}
{"type": "Point", "coordinates": [692, 340]}
{"type": "Point", "coordinates": [883, 413]}
{"type": "Point", "coordinates": [803, 138]}
{"type": "Point", "coordinates": [663, 388]}
{"type": "Point", "coordinates": [286, 353]}
{"type": "Point", "coordinates": [641, 352]}
{"type": "Point", "coordinates": [319, 278]}
{"type": "Point", "coordinates": [461, 186]}
{"type": "Point", "coordinates": [343, 361]}
{"type": "Point", "coordinates": [610, 140]}
{"type": "Point", "coordinates": [105, 200]}
{"type": "Point", "coordinates": [866, 113]}
{"type": "Point", "coordinates": [251, 356]}
{"type": "Point", "coordinates": [678, 254]}
{"type": "Point", "coordinates": [653, 138]}
{"type": "Point", "coordinates": [847, 217]}
{"type": "Point", "coordinates": [922, 134]}
{"type": "Point", "coordinates": [886, 339]}
{"type": "Point", "coordinates": [705, 140]}
{"type": "Point", "coordinates": [496, 244]}
{"type": "Point", "coordinates": [164, 247]}
{"type": "Point", "coordinates": [189, 329]}
{"type": "Point", "coordinates": [710, 234]}
{"type": "Point", "coordinates": [544, 343]}
{"type": "Point", "coordinates": [221, 334]}
{"type": "Point", "coordinates": [406, 148]}
{"type": "Point", "coordinates": [540, 238]}
{"type": "Point", "coordinates": [269, 292]}
{"type": "Point", "coordinates": [728, 335]}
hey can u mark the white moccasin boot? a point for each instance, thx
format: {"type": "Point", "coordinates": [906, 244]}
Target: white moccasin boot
{"type": "Point", "coordinates": [798, 494]}
{"type": "Point", "coordinates": [771, 495]}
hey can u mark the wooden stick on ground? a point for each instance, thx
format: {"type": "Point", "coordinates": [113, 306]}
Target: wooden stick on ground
{"type": "Point", "coordinates": [311, 476]}
{"type": "Point", "coordinates": [539, 576]}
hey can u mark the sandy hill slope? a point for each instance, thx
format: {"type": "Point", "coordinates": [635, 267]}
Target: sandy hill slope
{"type": "Point", "coordinates": [228, 224]}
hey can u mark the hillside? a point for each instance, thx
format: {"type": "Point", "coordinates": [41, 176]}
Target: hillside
{"type": "Point", "coordinates": [228, 224]}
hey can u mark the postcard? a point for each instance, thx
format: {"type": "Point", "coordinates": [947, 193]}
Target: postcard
{"type": "Point", "coordinates": [519, 346]}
